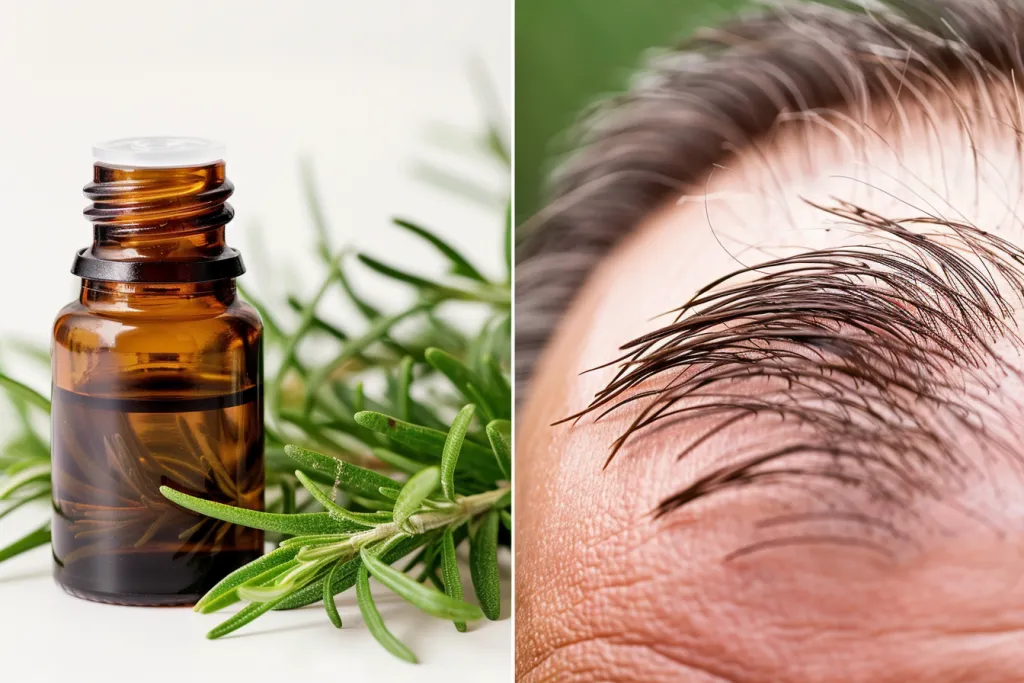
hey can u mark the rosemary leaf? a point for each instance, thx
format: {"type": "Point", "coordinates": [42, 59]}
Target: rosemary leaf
{"type": "Point", "coordinates": [374, 622]}
{"type": "Point", "coordinates": [243, 617]}
{"type": "Point", "coordinates": [474, 459]}
{"type": "Point", "coordinates": [399, 462]}
{"type": "Point", "coordinates": [429, 288]}
{"type": "Point", "coordinates": [499, 433]}
{"type": "Point", "coordinates": [287, 497]}
{"type": "Point", "coordinates": [472, 386]}
{"type": "Point", "coordinates": [294, 524]}
{"type": "Point", "coordinates": [450, 572]}
{"type": "Point", "coordinates": [361, 518]}
{"type": "Point", "coordinates": [33, 539]}
{"type": "Point", "coordinates": [483, 565]}
{"type": "Point", "coordinates": [375, 333]}
{"type": "Point", "coordinates": [460, 264]}
{"type": "Point", "coordinates": [24, 392]}
{"type": "Point", "coordinates": [39, 495]}
{"type": "Point", "coordinates": [430, 600]}
{"type": "Point", "coordinates": [390, 492]}
{"type": "Point", "coordinates": [452, 448]}
{"type": "Point", "coordinates": [415, 491]}
{"type": "Point", "coordinates": [346, 475]}
{"type": "Point", "coordinates": [329, 604]}
{"type": "Point", "coordinates": [25, 478]}
{"type": "Point", "coordinates": [345, 576]}
{"type": "Point", "coordinates": [224, 593]}
{"type": "Point", "coordinates": [402, 388]}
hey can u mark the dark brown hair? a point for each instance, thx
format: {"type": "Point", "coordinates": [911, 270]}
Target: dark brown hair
{"type": "Point", "coordinates": [696, 105]}
{"type": "Point", "coordinates": [882, 355]}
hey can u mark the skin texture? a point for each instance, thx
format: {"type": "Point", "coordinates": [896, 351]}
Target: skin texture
{"type": "Point", "coordinates": [607, 592]}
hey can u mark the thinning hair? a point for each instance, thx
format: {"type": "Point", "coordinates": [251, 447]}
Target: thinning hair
{"type": "Point", "coordinates": [721, 91]}
{"type": "Point", "coordinates": [885, 356]}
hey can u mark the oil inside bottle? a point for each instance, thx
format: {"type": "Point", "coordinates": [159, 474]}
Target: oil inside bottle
{"type": "Point", "coordinates": [115, 537]}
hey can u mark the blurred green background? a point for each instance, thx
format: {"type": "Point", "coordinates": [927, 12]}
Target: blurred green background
{"type": "Point", "coordinates": [570, 52]}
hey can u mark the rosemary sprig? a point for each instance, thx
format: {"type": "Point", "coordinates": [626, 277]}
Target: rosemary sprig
{"type": "Point", "coordinates": [24, 465]}
{"type": "Point", "coordinates": [397, 445]}
{"type": "Point", "coordinates": [416, 468]}
{"type": "Point", "coordinates": [325, 553]}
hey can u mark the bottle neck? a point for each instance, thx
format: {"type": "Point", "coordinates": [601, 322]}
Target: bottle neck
{"type": "Point", "coordinates": [170, 300]}
{"type": "Point", "coordinates": [169, 223]}
{"type": "Point", "coordinates": [159, 214]}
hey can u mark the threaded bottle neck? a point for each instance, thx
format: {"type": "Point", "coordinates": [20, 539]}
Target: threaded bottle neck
{"type": "Point", "coordinates": [159, 214]}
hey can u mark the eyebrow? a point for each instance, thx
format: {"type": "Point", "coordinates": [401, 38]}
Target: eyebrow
{"type": "Point", "coordinates": [698, 104]}
{"type": "Point", "coordinates": [882, 355]}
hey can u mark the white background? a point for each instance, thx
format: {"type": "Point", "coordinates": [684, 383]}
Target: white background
{"type": "Point", "coordinates": [360, 89]}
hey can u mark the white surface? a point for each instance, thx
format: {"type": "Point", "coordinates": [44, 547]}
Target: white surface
{"type": "Point", "coordinates": [354, 87]}
{"type": "Point", "coordinates": [48, 636]}
{"type": "Point", "coordinates": [158, 151]}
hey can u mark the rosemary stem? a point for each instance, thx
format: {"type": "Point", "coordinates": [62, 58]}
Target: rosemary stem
{"type": "Point", "coordinates": [420, 523]}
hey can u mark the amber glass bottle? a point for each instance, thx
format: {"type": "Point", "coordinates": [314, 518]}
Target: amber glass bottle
{"type": "Point", "coordinates": [157, 371]}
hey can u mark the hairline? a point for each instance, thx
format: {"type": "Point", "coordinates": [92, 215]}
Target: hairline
{"type": "Point", "coordinates": [719, 94]}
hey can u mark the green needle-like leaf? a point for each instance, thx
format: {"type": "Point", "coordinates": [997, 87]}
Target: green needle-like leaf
{"type": "Point", "coordinates": [457, 184]}
{"type": "Point", "coordinates": [45, 493]}
{"type": "Point", "coordinates": [217, 597]}
{"type": "Point", "coordinates": [32, 539]}
{"type": "Point", "coordinates": [430, 600]}
{"type": "Point", "coordinates": [368, 311]}
{"type": "Point", "coordinates": [415, 491]}
{"type": "Point", "coordinates": [400, 275]}
{"type": "Point", "coordinates": [483, 293]}
{"type": "Point", "coordinates": [389, 492]}
{"type": "Point", "coordinates": [287, 497]}
{"type": "Point", "coordinates": [483, 565]}
{"type": "Point", "coordinates": [374, 622]}
{"type": "Point", "coordinates": [294, 524]}
{"type": "Point", "coordinates": [361, 518]}
{"type": "Point", "coordinates": [499, 433]}
{"type": "Point", "coordinates": [345, 577]}
{"type": "Point", "coordinates": [24, 392]}
{"type": "Point", "coordinates": [497, 380]}
{"type": "Point", "coordinates": [474, 458]}
{"type": "Point", "coordinates": [318, 323]}
{"type": "Point", "coordinates": [24, 478]}
{"type": "Point", "coordinates": [399, 462]}
{"type": "Point", "coordinates": [375, 333]}
{"type": "Point", "coordinates": [450, 571]}
{"type": "Point", "coordinates": [460, 264]}
{"type": "Point", "coordinates": [348, 476]}
{"type": "Point", "coordinates": [402, 389]}
{"type": "Point", "coordinates": [329, 605]}
{"type": "Point", "coordinates": [243, 617]}
{"type": "Point", "coordinates": [452, 448]}
{"type": "Point", "coordinates": [465, 380]}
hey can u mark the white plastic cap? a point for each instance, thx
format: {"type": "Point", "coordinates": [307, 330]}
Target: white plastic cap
{"type": "Point", "coordinates": [161, 151]}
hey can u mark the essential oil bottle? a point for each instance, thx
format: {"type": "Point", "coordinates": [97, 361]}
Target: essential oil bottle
{"type": "Point", "coordinates": [157, 380]}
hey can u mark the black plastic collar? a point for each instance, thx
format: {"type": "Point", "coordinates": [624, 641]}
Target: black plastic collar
{"type": "Point", "coordinates": [227, 265]}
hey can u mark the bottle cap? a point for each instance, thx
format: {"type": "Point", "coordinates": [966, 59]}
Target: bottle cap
{"type": "Point", "coordinates": [161, 151]}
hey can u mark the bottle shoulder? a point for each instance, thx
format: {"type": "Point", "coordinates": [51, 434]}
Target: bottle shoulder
{"type": "Point", "coordinates": [244, 311]}
{"type": "Point", "coordinates": [78, 324]}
